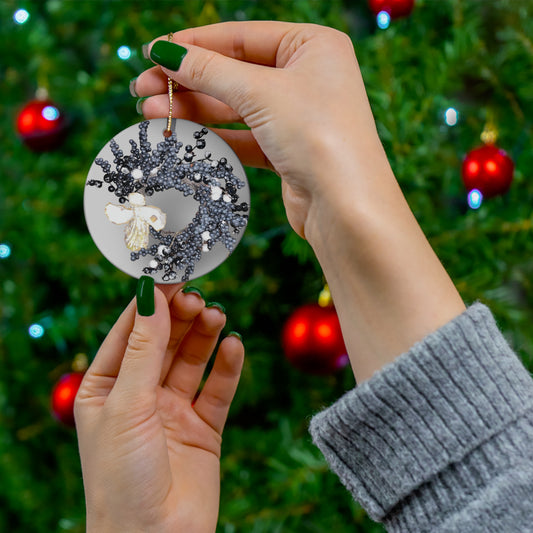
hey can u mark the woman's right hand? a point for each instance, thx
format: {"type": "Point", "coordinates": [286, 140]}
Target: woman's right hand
{"type": "Point", "coordinates": [299, 89]}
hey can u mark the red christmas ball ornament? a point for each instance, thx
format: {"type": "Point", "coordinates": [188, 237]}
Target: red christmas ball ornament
{"type": "Point", "coordinates": [63, 396]}
{"type": "Point", "coordinates": [395, 8]}
{"type": "Point", "coordinates": [488, 169]}
{"type": "Point", "coordinates": [312, 340]}
{"type": "Point", "coordinates": [41, 125]}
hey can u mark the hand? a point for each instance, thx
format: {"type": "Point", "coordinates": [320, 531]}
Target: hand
{"type": "Point", "coordinates": [149, 452]}
{"type": "Point", "coordinates": [311, 106]}
{"type": "Point", "coordinates": [299, 89]}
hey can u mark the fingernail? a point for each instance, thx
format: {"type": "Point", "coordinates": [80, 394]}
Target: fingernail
{"type": "Point", "coordinates": [146, 50]}
{"type": "Point", "coordinates": [192, 290]}
{"type": "Point", "coordinates": [133, 92]}
{"type": "Point", "coordinates": [139, 105]}
{"type": "Point", "coordinates": [220, 307]}
{"type": "Point", "coordinates": [167, 54]}
{"type": "Point", "coordinates": [145, 296]}
{"type": "Point", "coordinates": [235, 334]}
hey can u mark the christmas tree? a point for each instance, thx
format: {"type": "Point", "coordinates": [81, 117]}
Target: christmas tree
{"type": "Point", "coordinates": [436, 78]}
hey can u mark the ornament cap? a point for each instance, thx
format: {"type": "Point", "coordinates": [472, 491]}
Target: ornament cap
{"type": "Point", "coordinates": [80, 362]}
{"type": "Point", "coordinates": [324, 298]}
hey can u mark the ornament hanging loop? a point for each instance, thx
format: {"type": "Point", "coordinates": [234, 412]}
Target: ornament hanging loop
{"type": "Point", "coordinates": [172, 86]}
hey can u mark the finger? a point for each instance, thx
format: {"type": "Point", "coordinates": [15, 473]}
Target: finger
{"type": "Point", "coordinates": [185, 373]}
{"type": "Point", "coordinates": [228, 80]}
{"type": "Point", "coordinates": [184, 308]}
{"type": "Point", "coordinates": [170, 289]}
{"type": "Point", "coordinates": [251, 41]}
{"type": "Point", "coordinates": [143, 358]}
{"type": "Point", "coordinates": [193, 106]}
{"type": "Point", "coordinates": [243, 143]}
{"type": "Point", "coordinates": [109, 357]}
{"type": "Point", "coordinates": [215, 399]}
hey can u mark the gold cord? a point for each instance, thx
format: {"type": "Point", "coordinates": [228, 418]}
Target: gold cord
{"type": "Point", "coordinates": [171, 87]}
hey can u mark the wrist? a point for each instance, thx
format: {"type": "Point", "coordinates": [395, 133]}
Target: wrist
{"type": "Point", "coordinates": [389, 288]}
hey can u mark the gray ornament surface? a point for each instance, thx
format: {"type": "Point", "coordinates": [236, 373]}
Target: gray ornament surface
{"type": "Point", "coordinates": [173, 208]}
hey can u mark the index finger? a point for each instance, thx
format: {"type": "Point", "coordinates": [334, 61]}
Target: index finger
{"type": "Point", "coordinates": [252, 41]}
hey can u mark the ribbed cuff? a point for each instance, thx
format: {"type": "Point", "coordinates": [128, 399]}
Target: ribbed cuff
{"type": "Point", "coordinates": [429, 429]}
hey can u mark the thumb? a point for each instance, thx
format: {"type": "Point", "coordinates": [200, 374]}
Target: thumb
{"type": "Point", "coordinates": [141, 367]}
{"type": "Point", "coordinates": [229, 80]}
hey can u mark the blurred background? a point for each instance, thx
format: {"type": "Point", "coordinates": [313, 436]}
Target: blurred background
{"type": "Point", "coordinates": [438, 75]}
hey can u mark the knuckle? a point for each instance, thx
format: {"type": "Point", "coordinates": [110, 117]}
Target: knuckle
{"type": "Point", "coordinates": [200, 67]}
{"type": "Point", "coordinates": [138, 343]}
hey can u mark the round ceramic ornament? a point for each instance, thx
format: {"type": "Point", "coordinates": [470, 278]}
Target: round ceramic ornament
{"type": "Point", "coordinates": [171, 203]}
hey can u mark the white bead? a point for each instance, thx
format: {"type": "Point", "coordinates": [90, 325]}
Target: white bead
{"type": "Point", "coordinates": [214, 164]}
{"type": "Point", "coordinates": [205, 248]}
{"type": "Point", "coordinates": [226, 198]}
{"type": "Point", "coordinates": [162, 249]}
{"type": "Point", "coordinates": [137, 173]}
{"type": "Point", "coordinates": [216, 193]}
{"type": "Point", "coordinates": [153, 263]}
{"type": "Point", "coordinates": [206, 236]}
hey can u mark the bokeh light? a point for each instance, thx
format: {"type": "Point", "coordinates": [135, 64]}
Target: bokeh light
{"type": "Point", "coordinates": [383, 20]}
{"type": "Point", "coordinates": [451, 116]}
{"type": "Point", "coordinates": [5, 251]}
{"type": "Point", "coordinates": [36, 331]}
{"type": "Point", "coordinates": [124, 52]}
{"type": "Point", "coordinates": [475, 199]}
{"type": "Point", "coordinates": [21, 16]}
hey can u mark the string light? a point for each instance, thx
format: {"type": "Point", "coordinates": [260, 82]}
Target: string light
{"type": "Point", "coordinates": [475, 199]}
{"type": "Point", "coordinates": [21, 16]}
{"type": "Point", "coordinates": [36, 331]}
{"type": "Point", "coordinates": [50, 112]}
{"type": "Point", "coordinates": [5, 251]}
{"type": "Point", "coordinates": [383, 20]}
{"type": "Point", "coordinates": [124, 52]}
{"type": "Point", "coordinates": [451, 116]}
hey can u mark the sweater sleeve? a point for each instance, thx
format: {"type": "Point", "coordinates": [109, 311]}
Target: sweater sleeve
{"type": "Point", "coordinates": [440, 440]}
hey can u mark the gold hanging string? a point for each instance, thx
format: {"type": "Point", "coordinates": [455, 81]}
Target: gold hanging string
{"type": "Point", "coordinates": [172, 86]}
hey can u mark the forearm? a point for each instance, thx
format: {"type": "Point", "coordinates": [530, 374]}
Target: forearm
{"type": "Point", "coordinates": [388, 286]}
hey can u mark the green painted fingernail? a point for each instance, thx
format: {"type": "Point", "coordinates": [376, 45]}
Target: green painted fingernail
{"type": "Point", "coordinates": [139, 105]}
{"type": "Point", "coordinates": [167, 54]}
{"type": "Point", "coordinates": [145, 296]}
{"type": "Point", "coordinates": [193, 290]}
{"type": "Point", "coordinates": [217, 305]}
{"type": "Point", "coordinates": [235, 334]}
{"type": "Point", "coordinates": [133, 92]}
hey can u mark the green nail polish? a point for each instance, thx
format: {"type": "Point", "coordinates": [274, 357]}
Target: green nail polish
{"type": "Point", "coordinates": [220, 307]}
{"type": "Point", "coordinates": [133, 92]}
{"type": "Point", "coordinates": [139, 105]}
{"type": "Point", "coordinates": [193, 290]}
{"type": "Point", "coordinates": [167, 54]}
{"type": "Point", "coordinates": [145, 296]}
{"type": "Point", "coordinates": [235, 334]}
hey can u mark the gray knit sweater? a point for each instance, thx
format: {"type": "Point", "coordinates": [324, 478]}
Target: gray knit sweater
{"type": "Point", "coordinates": [440, 440]}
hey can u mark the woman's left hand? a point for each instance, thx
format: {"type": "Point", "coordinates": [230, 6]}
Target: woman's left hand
{"type": "Point", "coordinates": [149, 444]}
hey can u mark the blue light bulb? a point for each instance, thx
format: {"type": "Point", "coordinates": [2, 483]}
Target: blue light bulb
{"type": "Point", "coordinates": [21, 16]}
{"type": "Point", "coordinates": [383, 20]}
{"type": "Point", "coordinates": [36, 331]}
{"type": "Point", "coordinates": [5, 251]}
{"type": "Point", "coordinates": [124, 52]}
{"type": "Point", "coordinates": [475, 198]}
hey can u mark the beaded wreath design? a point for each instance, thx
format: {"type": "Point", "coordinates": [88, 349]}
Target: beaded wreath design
{"type": "Point", "coordinates": [146, 171]}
